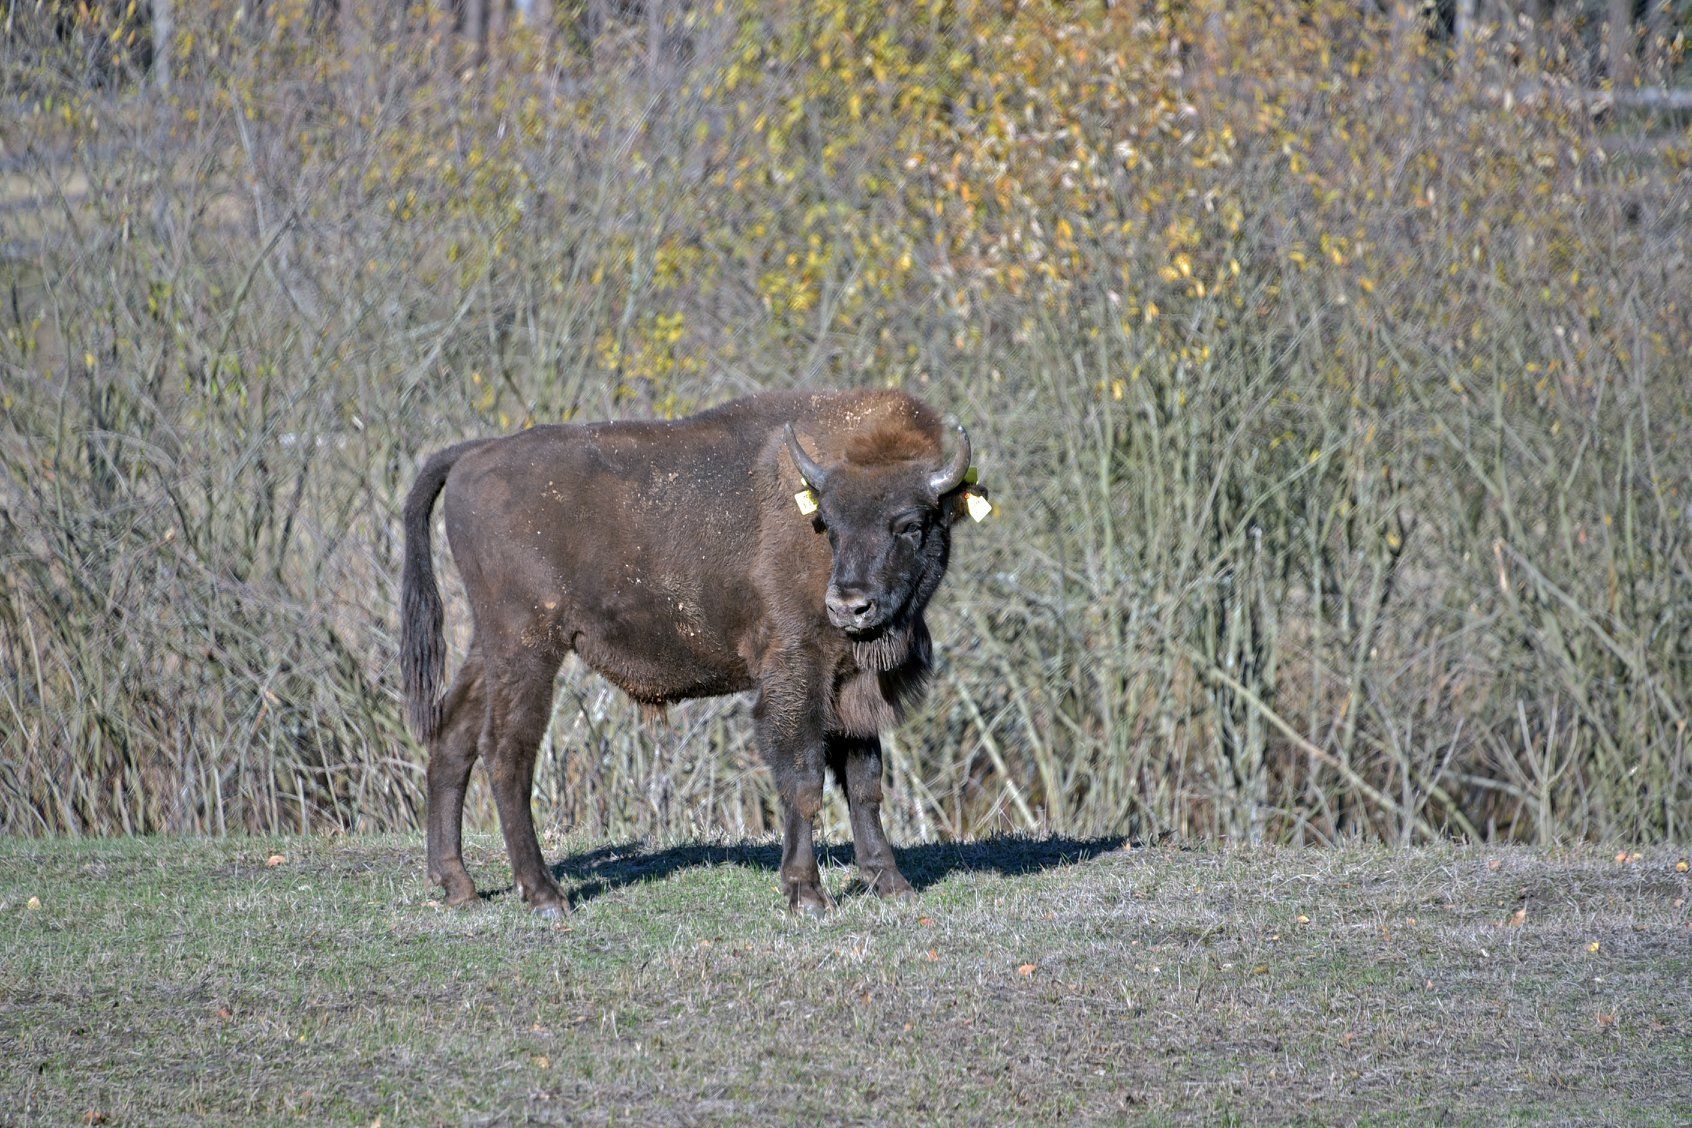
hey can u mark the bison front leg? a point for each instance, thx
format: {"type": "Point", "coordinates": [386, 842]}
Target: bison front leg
{"type": "Point", "coordinates": [793, 747]}
{"type": "Point", "coordinates": [801, 881]}
{"type": "Point", "coordinates": [857, 768]}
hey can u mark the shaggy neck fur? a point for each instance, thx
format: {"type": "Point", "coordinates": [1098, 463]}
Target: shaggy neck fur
{"type": "Point", "coordinates": [889, 672]}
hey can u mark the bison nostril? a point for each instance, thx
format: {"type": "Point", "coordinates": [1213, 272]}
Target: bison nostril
{"type": "Point", "coordinates": [850, 608]}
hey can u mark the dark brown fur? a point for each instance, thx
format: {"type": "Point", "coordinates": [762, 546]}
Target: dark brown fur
{"type": "Point", "coordinates": [672, 558]}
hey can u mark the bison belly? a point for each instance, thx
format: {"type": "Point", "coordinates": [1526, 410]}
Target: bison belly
{"type": "Point", "coordinates": [657, 649]}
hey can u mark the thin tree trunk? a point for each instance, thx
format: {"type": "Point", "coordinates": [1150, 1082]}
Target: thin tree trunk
{"type": "Point", "coordinates": [1213, 44]}
{"type": "Point", "coordinates": [1405, 29]}
{"type": "Point", "coordinates": [1541, 38]}
{"type": "Point", "coordinates": [164, 35]}
{"type": "Point", "coordinates": [654, 39]}
{"type": "Point", "coordinates": [475, 18]}
{"type": "Point", "coordinates": [1463, 30]}
{"type": "Point", "coordinates": [1619, 54]}
{"type": "Point", "coordinates": [1659, 30]}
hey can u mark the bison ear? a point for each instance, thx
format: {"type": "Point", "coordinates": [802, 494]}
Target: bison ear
{"type": "Point", "coordinates": [970, 500]}
{"type": "Point", "coordinates": [952, 508]}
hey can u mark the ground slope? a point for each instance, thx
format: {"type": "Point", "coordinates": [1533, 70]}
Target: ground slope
{"type": "Point", "coordinates": [159, 981]}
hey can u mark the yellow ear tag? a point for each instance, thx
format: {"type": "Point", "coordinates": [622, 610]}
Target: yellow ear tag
{"type": "Point", "coordinates": [806, 501]}
{"type": "Point", "coordinates": [978, 506]}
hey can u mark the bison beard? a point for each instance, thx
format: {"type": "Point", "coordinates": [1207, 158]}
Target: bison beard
{"type": "Point", "coordinates": [671, 558]}
{"type": "Point", "coordinates": [891, 676]}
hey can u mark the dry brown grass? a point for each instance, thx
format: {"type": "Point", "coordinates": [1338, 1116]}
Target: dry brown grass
{"type": "Point", "coordinates": [1336, 401]}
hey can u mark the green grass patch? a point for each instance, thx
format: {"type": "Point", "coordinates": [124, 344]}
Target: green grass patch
{"type": "Point", "coordinates": [185, 980]}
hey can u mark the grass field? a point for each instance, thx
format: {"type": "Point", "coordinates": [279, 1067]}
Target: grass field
{"type": "Point", "coordinates": [150, 981]}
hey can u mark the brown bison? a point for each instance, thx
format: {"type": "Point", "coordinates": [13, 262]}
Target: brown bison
{"type": "Point", "coordinates": [786, 543]}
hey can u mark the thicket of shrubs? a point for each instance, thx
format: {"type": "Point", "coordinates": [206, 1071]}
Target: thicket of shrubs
{"type": "Point", "coordinates": [1334, 387]}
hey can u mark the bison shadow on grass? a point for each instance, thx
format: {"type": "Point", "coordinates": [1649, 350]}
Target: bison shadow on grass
{"type": "Point", "coordinates": [607, 868]}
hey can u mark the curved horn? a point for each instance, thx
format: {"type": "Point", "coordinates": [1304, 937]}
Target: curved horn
{"type": "Point", "coordinates": [948, 477]}
{"type": "Point", "coordinates": [814, 475]}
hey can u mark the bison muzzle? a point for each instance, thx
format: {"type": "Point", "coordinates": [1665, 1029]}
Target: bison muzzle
{"type": "Point", "coordinates": [785, 544]}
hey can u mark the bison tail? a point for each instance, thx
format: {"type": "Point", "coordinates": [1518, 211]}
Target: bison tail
{"type": "Point", "coordinates": [422, 645]}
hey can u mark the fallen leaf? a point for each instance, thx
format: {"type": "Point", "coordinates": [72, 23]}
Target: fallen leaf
{"type": "Point", "coordinates": [1026, 969]}
{"type": "Point", "coordinates": [1592, 947]}
{"type": "Point", "coordinates": [275, 860]}
{"type": "Point", "coordinates": [933, 955]}
{"type": "Point", "coordinates": [93, 1116]}
{"type": "Point", "coordinates": [1494, 864]}
{"type": "Point", "coordinates": [223, 1012]}
{"type": "Point", "coordinates": [34, 903]}
{"type": "Point", "coordinates": [1302, 919]}
{"type": "Point", "coordinates": [542, 1061]}
{"type": "Point", "coordinates": [1605, 1020]}
{"type": "Point", "coordinates": [1260, 969]}
{"type": "Point", "coordinates": [1681, 867]}
{"type": "Point", "coordinates": [926, 922]}
{"type": "Point", "coordinates": [1635, 856]}
{"type": "Point", "coordinates": [1517, 918]}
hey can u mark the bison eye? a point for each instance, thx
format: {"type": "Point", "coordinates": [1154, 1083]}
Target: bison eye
{"type": "Point", "coordinates": [909, 525]}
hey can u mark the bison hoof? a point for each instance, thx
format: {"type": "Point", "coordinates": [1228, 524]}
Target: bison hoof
{"type": "Point", "coordinates": [544, 897]}
{"type": "Point", "coordinates": [460, 890]}
{"type": "Point", "coordinates": [808, 899]}
{"type": "Point", "coordinates": [891, 884]}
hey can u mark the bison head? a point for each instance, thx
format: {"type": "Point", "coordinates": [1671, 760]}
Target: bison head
{"type": "Point", "coordinates": [889, 527]}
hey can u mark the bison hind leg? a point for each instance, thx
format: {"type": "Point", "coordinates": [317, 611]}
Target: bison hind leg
{"type": "Point", "coordinates": [452, 754]}
{"type": "Point", "coordinates": [520, 688]}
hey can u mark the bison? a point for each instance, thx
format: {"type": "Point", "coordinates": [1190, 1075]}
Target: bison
{"type": "Point", "coordinates": [786, 543]}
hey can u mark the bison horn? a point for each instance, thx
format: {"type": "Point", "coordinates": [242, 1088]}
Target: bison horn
{"type": "Point", "coordinates": [950, 476]}
{"type": "Point", "coordinates": [814, 475]}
